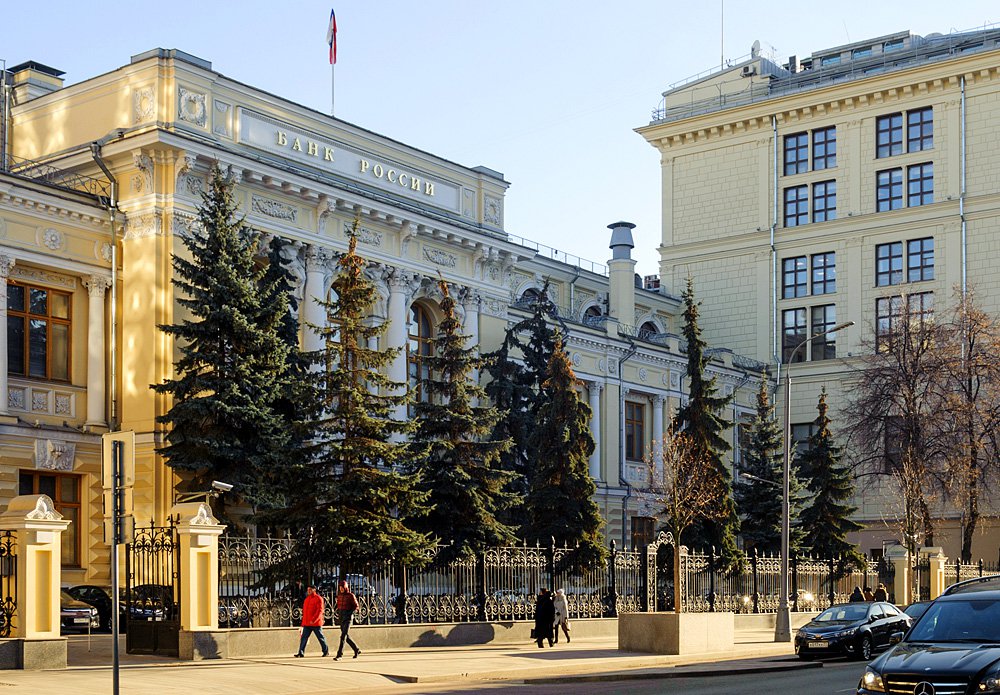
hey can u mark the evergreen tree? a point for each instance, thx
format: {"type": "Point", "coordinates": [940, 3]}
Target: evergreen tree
{"type": "Point", "coordinates": [515, 390]}
{"type": "Point", "coordinates": [461, 474]}
{"type": "Point", "coordinates": [701, 419]}
{"type": "Point", "coordinates": [560, 504]}
{"type": "Point", "coordinates": [827, 520]}
{"type": "Point", "coordinates": [352, 502]}
{"type": "Point", "coordinates": [760, 526]}
{"type": "Point", "coordinates": [223, 424]}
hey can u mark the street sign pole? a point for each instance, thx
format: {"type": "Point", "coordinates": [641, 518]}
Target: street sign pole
{"type": "Point", "coordinates": [117, 456]}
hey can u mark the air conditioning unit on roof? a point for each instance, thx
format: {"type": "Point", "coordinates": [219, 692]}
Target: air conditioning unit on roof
{"type": "Point", "coordinates": [749, 70]}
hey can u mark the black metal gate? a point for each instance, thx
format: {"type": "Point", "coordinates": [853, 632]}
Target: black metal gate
{"type": "Point", "coordinates": [152, 593]}
{"type": "Point", "coordinates": [8, 582]}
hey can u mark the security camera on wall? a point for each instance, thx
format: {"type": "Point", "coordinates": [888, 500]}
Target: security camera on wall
{"type": "Point", "coordinates": [221, 487]}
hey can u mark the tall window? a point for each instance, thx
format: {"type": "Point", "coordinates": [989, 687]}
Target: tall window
{"type": "Point", "coordinates": [796, 206]}
{"type": "Point", "coordinates": [824, 148]}
{"type": "Point", "coordinates": [824, 201]}
{"type": "Point", "coordinates": [64, 490]}
{"type": "Point", "coordinates": [824, 273]}
{"type": "Point", "coordinates": [889, 190]}
{"type": "Point", "coordinates": [888, 264]}
{"type": "Point", "coordinates": [419, 348]}
{"type": "Point", "coordinates": [800, 436]}
{"type": "Point", "coordinates": [920, 184]}
{"type": "Point", "coordinates": [643, 529]}
{"type": "Point", "coordinates": [793, 277]}
{"type": "Point", "coordinates": [889, 135]}
{"type": "Point", "coordinates": [920, 259]}
{"type": "Point", "coordinates": [920, 307]}
{"type": "Point", "coordinates": [823, 319]}
{"type": "Point", "coordinates": [888, 313]}
{"type": "Point", "coordinates": [796, 153]}
{"type": "Point", "coordinates": [793, 323]}
{"type": "Point", "coordinates": [920, 129]}
{"type": "Point", "coordinates": [635, 438]}
{"type": "Point", "coordinates": [38, 332]}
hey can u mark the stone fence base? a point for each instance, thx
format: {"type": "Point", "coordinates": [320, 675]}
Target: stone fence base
{"type": "Point", "coordinates": [283, 641]}
{"type": "Point", "coordinates": [33, 654]}
{"type": "Point", "coordinates": [676, 633]}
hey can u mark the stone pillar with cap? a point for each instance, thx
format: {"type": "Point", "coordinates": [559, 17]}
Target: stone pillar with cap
{"type": "Point", "coordinates": [621, 277]}
{"type": "Point", "coordinates": [38, 566]}
{"type": "Point", "coordinates": [899, 556]}
{"type": "Point", "coordinates": [936, 560]}
{"type": "Point", "coordinates": [198, 534]}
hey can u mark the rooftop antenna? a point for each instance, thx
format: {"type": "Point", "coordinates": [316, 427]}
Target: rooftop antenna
{"type": "Point", "coordinates": [722, 32]}
{"type": "Point", "coordinates": [755, 50]}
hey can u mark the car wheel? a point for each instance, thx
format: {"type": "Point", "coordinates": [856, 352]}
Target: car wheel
{"type": "Point", "coordinates": [865, 648]}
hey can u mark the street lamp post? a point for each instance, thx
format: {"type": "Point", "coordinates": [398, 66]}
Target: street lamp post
{"type": "Point", "coordinates": [783, 620]}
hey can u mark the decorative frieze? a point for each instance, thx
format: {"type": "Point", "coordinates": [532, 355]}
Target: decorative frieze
{"type": "Point", "coordinates": [54, 455]}
{"type": "Point", "coordinates": [439, 257]}
{"type": "Point", "coordinates": [41, 277]}
{"type": "Point", "coordinates": [365, 235]}
{"type": "Point", "coordinates": [273, 208]}
{"type": "Point", "coordinates": [143, 226]}
{"type": "Point", "coordinates": [41, 400]}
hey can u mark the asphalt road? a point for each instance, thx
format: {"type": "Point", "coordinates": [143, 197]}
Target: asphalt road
{"type": "Point", "coordinates": [835, 678]}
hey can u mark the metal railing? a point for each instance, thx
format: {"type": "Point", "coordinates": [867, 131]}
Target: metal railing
{"type": "Point", "coordinates": [560, 256]}
{"type": "Point", "coordinates": [40, 171]}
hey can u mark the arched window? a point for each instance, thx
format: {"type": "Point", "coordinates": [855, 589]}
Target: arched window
{"type": "Point", "coordinates": [648, 330]}
{"type": "Point", "coordinates": [530, 297]}
{"type": "Point", "coordinates": [419, 348]}
{"type": "Point", "coordinates": [592, 316]}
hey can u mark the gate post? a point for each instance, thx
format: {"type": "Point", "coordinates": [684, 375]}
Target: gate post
{"type": "Point", "coordinates": [39, 529]}
{"type": "Point", "coordinates": [612, 607]}
{"type": "Point", "coordinates": [198, 571]}
{"type": "Point", "coordinates": [935, 566]}
{"type": "Point", "coordinates": [899, 556]}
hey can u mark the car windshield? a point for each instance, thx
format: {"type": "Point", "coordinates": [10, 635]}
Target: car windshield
{"type": "Point", "coordinates": [858, 611]}
{"type": "Point", "coordinates": [959, 621]}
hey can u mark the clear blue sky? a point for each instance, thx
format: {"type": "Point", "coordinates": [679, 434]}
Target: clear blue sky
{"type": "Point", "coordinates": [546, 91]}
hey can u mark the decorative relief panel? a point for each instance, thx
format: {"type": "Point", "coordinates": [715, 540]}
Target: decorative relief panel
{"type": "Point", "coordinates": [3, 229]}
{"type": "Point", "coordinates": [50, 238]}
{"type": "Point", "coordinates": [142, 226]}
{"type": "Point", "coordinates": [643, 374]}
{"type": "Point", "coordinates": [577, 360]}
{"type": "Point", "coordinates": [54, 455]}
{"type": "Point", "coordinates": [675, 380]}
{"type": "Point", "coordinates": [468, 204]}
{"type": "Point", "coordinates": [612, 366]}
{"type": "Point", "coordinates": [143, 105]}
{"type": "Point", "coordinates": [191, 107]}
{"type": "Point", "coordinates": [43, 277]}
{"type": "Point", "coordinates": [439, 257]}
{"type": "Point", "coordinates": [64, 404]}
{"type": "Point", "coordinates": [368, 236]}
{"type": "Point", "coordinates": [183, 225]}
{"type": "Point", "coordinates": [491, 211]}
{"type": "Point", "coordinates": [273, 208]}
{"type": "Point", "coordinates": [16, 398]}
{"type": "Point", "coordinates": [493, 306]}
{"type": "Point", "coordinates": [222, 121]}
{"type": "Point", "coordinates": [102, 251]}
{"type": "Point", "coordinates": [39, 401]}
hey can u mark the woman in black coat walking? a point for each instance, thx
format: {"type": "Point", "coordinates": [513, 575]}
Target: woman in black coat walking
{"type": "Point", "coordinates": [545, 615]}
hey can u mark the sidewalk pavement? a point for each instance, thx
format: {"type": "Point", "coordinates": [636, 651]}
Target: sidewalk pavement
{"type": "Point", "coordinates": [397, 671]}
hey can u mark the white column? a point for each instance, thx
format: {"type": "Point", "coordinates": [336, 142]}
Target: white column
{"type": "Point", "coordinates": [373, 346]}
{"type": "Point", "coordinates": [594, 390]}
{"type": "Point", "coordinates": [6, 265]}
{"type": "Point", "coordinates": [400, 289]}
{"type": "Point", "coordinates": [312, 311]}
{"type": "Point", "coordinates": [658, 435]}
{"type": "Point", "coordinates": [471, 326]}
{"type": "Point", "coordinates": [97, 286]}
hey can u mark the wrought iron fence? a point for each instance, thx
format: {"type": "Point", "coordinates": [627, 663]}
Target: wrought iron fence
{"type": "Point", "coordinates": [257, 590]}
{"type": "Point", "coordinates": [754, 586]}
{"type": "Point", "coordinates": [959, 571]}
{"type": "Point", "coordinates": [8, 582]}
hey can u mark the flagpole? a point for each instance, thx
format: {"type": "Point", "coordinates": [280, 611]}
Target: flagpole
{"type": "Point", "coordinates": [333, 91]}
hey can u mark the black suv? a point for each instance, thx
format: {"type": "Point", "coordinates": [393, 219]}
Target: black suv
{"type": "Point", "coordinates": [952, 649]}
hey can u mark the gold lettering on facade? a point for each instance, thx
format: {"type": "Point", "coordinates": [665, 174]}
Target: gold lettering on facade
{"type": "Point", "coordinates": [415, 184]}
{"type": "Point", "coordinates": [282, 138]}
{"type": "Point", "coordinates": [328, 154]}
{"type": "Point", "coordinates": [364, 165]}
{"type": "Point", "coordinates": [313, 149]}
{"type": "Point", "coordinates": [390, 176]}
{"type": "Point", "coordinates": [429, 188]}
{"type": "Point", "coordinates": [377, 171]}
{"type": "Point", "coordinates": [402, 180]}
{"type": "Point", "coordinates": [296, 145]}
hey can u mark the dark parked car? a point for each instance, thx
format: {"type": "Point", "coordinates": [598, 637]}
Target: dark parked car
{"type": "Point", "coordinates": [96, 596]}
{"type": "Point", "coordinates": [954, 647]}
{"type": "Point", "coordinates": [76, 616]}
{"type": "Point", "coordinates": [854, 629]}
{"type": "Point", "coordinates": [916, 609]}
{"type": "Point", "coordinates": [150, 602]}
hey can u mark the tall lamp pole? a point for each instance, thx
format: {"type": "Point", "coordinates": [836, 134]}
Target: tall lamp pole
{"type": "Point", "coordinates": [783, 620]}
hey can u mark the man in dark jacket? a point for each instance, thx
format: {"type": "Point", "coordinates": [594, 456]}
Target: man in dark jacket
{"type": "Point", "coordinates": [545, 615]}
{"type": "Point", "coordinates": [312, 622]}
{"type": "Point", "coordinates": [347, 603]}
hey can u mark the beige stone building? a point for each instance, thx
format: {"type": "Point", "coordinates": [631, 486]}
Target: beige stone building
{"type": "Point", "coordinates": [87, 281]}
{"type": "Point", "coordinates": [803, 193]}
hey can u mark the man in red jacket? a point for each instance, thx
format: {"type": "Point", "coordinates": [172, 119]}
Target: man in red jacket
{"type": "Point", "coordinates": [347, 603]}
{"type": "Point", "coordinates": [312, 621]}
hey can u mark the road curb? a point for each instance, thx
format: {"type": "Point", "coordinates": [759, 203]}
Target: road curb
{"type": "Point", "coordinates": [674, 672]}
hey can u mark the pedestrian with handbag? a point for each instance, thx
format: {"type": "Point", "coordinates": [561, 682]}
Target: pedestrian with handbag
{"type": "Point", "coordinates": [347, 603]}
{"type": "Point", "coordinates": [545, 616]}
{"type": "Point", "coordinates": [312, 622]}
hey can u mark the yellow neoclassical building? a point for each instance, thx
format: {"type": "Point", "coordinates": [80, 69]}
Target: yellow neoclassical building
{"type": "Point", "coordinates": [86, 267]}
{"type": "Point", "coordinates": [803, 193]}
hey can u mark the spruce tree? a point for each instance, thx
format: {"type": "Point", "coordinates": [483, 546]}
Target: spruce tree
{"type": "Point", "coordinates": [701, 419]}
{"type": "Point", "coordinates": [827, 520]}
{"type": "Point", "coordinates": [560, 504]}
{"type": "Point", "coordinates": [223, 423]}
{"type": "Point", "coordinates": [460, 474]}
{"type": "Point", "coordinates": [517, 369]}
{"type": "Point", "coordinates": [760, 503]}
{"type": "Point", "coordinates": [353, 501]}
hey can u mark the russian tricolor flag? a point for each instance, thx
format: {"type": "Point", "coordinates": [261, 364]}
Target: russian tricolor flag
{"type": "Point", "coordinates": [331, 37]}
